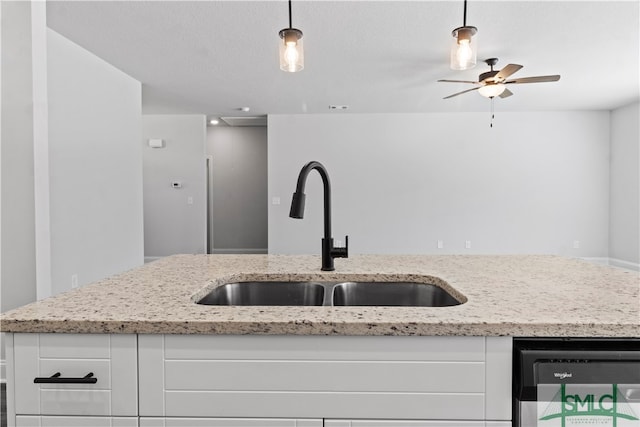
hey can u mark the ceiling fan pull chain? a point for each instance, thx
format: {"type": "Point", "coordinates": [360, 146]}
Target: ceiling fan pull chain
{"type": "Point", "coordinates": [492, 114]}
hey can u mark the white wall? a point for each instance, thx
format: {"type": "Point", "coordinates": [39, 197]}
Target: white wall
{"type": "Point", "coordinates": [41, 156]}
{"type": "Point", "coordinates": [95, 166]}
{"type": "Point", "coordinates": [18, 272]}
{"type": "Point", "coordinates": [534, 183]}
{"type": "Point", "coordinates": [624, 248]}
{"type": "Point", "coordinates": [171, 224]}
{"type": "Point", "coordinates": [239, 173]}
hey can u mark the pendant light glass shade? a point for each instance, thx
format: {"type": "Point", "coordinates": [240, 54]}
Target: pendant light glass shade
{"type": "Point", "coordinates": [463, 48]}
{"type": "Point", "coordinates": [291, 50]}
{"type": "Point", "coordinates": [492, 90]}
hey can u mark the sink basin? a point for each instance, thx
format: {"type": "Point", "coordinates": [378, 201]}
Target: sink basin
{"type": "Point", "coordinates": [394, 294]}
{"type": "Point", "coordinates": [266, 293]}
{"type": "Point", "coordinates": [391, 294]}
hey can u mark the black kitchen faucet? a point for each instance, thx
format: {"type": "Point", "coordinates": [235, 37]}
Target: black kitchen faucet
{"type": "Point", "coordinates": [329, 252]}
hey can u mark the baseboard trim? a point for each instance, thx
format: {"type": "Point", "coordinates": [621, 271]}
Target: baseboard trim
{"type": "Point", "coordinates": [233, 251]}
{"type": "Point", "coordinates": [624, 264]}
{"type": "Point", "coordinates": [597, 260]}
{"type": "Point", "coordinates": [613, 262]}
{"type": "Point", "coordinates": [241, 251]}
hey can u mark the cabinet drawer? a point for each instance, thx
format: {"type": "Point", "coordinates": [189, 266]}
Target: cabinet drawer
{"type": "Point", "coordinates": [54, 421]}
{"type": "Point", "coordinates": [312, 377]}
{"type": "Point", "coordinates": [415, 423]}
{"type": "Point", "coordinates": [401, 423]}
{"type": "Point", "coordinates": [229, 422]}
{"type": "Point", "coordinates": [61, 361]}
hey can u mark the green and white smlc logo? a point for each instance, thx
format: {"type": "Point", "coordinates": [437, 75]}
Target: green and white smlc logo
{"type": "Point", "coordinates": [565, 405]}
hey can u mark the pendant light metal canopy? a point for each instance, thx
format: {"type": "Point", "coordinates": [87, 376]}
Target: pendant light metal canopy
{"type": "Point", "coordinates": [291, 48]}
{"type": "Point", "coordinates": [463, 49]}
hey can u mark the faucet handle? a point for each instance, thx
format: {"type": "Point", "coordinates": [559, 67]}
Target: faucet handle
{"type": "Point", "coordinates": [341, 252]}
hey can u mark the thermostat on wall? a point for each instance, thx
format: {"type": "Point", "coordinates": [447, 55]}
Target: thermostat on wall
{"type": "Point", "coordinates": [176, 184]}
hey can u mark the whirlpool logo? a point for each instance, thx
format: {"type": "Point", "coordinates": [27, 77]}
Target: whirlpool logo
{"type": "Point", "coordinates": [562, 375]}
{"type": "Point", "coordinates": [587, 405]}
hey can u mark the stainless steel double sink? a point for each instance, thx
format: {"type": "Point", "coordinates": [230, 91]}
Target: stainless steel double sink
{"type": "Point", "coordinates": [395, 294]}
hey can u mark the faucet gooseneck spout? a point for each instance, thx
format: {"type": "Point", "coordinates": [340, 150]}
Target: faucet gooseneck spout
{"type": "Point", "coordinates": [329, 252]}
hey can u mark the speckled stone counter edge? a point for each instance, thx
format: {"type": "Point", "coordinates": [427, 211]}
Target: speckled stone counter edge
{"type": "Point", "coordinates": [503, 296]}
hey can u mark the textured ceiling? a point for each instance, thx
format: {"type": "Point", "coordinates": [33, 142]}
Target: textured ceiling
{"type": "Point", "coordinates": [213, 57]}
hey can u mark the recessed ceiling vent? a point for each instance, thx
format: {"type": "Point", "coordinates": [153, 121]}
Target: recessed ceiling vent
{"type": "Point", "coordinates": [245, 121]}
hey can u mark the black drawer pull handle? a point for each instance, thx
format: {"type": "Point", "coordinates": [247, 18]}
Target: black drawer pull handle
{"type": "Point", "coordinates": [57, 379]}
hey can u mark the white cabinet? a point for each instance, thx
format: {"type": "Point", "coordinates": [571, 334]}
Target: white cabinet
{"type": "Point", "coordinates": [228, 422]}
{"type": "Point", "coordinates": [67, 374]}
{"type": "Point", "coordinates": [406, 423]}
{"type": "Point", "coordinates": [257, 381]}
{"type": "Point", "coordinates": [342, 377]}
{"type": "Point", "coordinates": [59, 421]}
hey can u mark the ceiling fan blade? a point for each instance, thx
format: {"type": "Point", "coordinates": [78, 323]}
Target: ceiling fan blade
{"type": "Point", "coordinates": [506, 72]}
{"type": "Point", "coordinates": [537, 79]}
{"type": "Point", "coordinates": [460, 93]}
{"type": "Point", "coordinates": [506, 93]}
{"type": "Point", "coordinates": [458, 81]}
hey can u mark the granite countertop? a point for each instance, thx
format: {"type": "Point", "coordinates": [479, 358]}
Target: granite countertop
{"type": "Point", "coordinates": [514, 295]}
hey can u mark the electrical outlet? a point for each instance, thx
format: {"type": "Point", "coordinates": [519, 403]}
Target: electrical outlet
{"type": "Point", "coordinates": [576, 244]}
{"type": "Point", "coordinates": [190, 200]}
{"type": "Point", "coordinates": [275, 200]}
{"type": "Point", "coordinates": [74, 281]}
{"type": "Point", "coordinates": [467, 244]}
{"type": "Point", "coordinates": [440, 244]}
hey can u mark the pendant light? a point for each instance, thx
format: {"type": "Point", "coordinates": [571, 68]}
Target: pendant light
{"type": "Point", "coordinates": [291, 49]}
{"type": "Point", "coordinates": [463, 49]}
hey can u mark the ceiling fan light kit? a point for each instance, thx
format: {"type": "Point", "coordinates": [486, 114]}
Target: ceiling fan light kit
{"type": "Point", "coordinates": [291, 48]}
{"type": "Point", "coordinates": [463, 48]}
{"type": "Point", "coordinates": [492, 90]}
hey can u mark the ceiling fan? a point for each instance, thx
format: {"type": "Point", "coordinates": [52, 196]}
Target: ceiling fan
{"type": "Point", "coordinates": [492, 83]}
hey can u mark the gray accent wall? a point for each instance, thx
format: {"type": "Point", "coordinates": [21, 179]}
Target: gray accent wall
{"type": "Point", "coordinates": [624, 248]}
{"type": "Point", "coordinates": [537, 182]}
{"type": "Point", "coordinates": [239, 177]}
{"type": "Point", "coordinates": [174, 218]}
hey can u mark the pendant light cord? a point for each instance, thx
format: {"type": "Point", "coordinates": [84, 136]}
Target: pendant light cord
{"type": "Point", "coordinates": [464, 16]}
{"type": "Point", "coordinates": [291, 25]}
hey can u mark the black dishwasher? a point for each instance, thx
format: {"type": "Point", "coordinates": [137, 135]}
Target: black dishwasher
{"type": "Point", "coordinates": [571, 382]}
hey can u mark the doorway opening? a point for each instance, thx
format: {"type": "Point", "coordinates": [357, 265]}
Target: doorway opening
{"type": "Point", "coordinates": [237, 192]}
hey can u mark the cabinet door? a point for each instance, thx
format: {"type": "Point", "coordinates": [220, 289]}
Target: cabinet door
{"type": "Point", "coordinates": [414, 423]}
{"type": "Point", "coordinates": [37, 421]}
{"type": "Point", "coordinates": [402, 423]}
{"type": "Point", "coordinates": [312, 377]}
{"type": "Point", "coordinates": [109, 363]}
{"type": "Point", "coordinates": [228, 422]}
